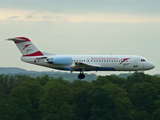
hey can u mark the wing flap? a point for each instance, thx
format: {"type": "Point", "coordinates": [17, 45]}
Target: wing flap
{"type": "Point", "coordinates": [80, 65]}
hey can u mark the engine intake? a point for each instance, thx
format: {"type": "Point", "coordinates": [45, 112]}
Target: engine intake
{"type": "Point", "coordinates": [60, 61]}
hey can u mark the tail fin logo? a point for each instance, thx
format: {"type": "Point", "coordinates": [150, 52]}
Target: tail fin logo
{"type": "Point", "coordinates": [25, 46]}
{"type": "Point", "coordinates": [125, 59]}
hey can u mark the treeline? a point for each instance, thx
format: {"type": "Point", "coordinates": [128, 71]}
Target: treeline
{"type": "Point", "coordinates": [106, 98]}
{"type": "Point", "coordinates": [56, 74]}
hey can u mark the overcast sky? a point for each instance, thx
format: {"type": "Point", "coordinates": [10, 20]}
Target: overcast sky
{"type": "Point", "coordinates": [81, 27]}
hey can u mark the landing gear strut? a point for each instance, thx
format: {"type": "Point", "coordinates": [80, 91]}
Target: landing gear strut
{"type": "Point", "coordinates": [136, 75]}
{"type": "Point", "coordinates": [81, 75]}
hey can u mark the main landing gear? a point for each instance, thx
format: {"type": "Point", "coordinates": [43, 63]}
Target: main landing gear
{"type": "Point", "coordinates": [81, 75]}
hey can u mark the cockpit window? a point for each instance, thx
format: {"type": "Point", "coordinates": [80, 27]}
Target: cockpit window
{"type": "Point", "coordinates": [143, 60]}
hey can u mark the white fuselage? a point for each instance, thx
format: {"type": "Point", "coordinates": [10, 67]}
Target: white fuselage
{"type": "Point", "coordinates": [99, 62]}
{"type": "Point", "coordinates": [31, 54]}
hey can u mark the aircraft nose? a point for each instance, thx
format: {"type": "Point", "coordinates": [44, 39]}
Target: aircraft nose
{"type": "Point", "coordinates": [148, 66]}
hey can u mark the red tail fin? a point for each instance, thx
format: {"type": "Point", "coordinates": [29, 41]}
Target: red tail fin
{"type": "Point", "coordinates": [26, 47]}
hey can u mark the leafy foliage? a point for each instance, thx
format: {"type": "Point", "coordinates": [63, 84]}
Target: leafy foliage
{"type": "Point", "coordinates": [106, 98]}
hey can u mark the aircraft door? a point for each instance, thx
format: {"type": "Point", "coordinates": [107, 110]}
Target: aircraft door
{"type": "Point", "coordinates": [135, 63]}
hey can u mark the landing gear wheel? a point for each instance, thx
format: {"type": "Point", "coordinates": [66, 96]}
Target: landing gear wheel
{"type": "Point", "coordinates": [81, 76]}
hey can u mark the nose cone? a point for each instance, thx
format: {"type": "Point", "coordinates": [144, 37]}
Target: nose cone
{"type": "Point", "coordinates": [148, 66]}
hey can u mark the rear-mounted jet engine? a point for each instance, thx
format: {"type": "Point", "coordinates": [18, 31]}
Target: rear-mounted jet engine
{"type": "Point", "coordinates": [60, 61]}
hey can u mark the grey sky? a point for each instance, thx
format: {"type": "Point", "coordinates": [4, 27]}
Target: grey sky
{"type": "Point", "coordinates": [83, 6]}
{"type": "Point", "coordinates": [81, 27]}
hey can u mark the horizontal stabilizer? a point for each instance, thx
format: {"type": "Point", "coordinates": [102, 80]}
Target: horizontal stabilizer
{"type": "Point", "coordinates": [16, 40]}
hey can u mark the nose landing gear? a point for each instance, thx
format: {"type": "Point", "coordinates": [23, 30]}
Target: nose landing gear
{"type": "Point", "coordinates": [136, 75]}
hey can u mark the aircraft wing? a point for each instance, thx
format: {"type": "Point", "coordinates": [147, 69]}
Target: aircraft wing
{"type": "Point", "coordinates": [83, 66]}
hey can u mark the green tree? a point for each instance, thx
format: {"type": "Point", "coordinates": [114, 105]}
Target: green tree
{"type": "Point", "coordinates": [23, 101]}
{"type": "Point", "coordinates": [19, 104]}
{"type": "Point", "coordinates": [143, 97]}
{"type": "Point", "coordinates": [43, 80]}
{"type": "Point", "coordinates": [82, 105]}
{"type": "Point", "coordinates": [62, 81]}
{"type": "Point", "coordinates": [3, 108]}
{"type": "Point", "coordinates": [102, 103]}
{"type": "Point", "coordinates": [131, 80]}
{"type": "Point", "coordinates": [7, 83]}
{"type": "Point", "coordinates": [34, 91]}
{"type": "Point", "coordinates": [142, 115]}
{"type": "Point", "coordinates": [156, 113]}
{"type": "Point", "coordinates": [55, 103]}
{"type": "Point", "coordinates": [122, 108]}
{"type": "Point", "coordinates": [101, 80]}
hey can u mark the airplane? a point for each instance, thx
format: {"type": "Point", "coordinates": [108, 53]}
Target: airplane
{"type": "Point", "coordinates": [81, 63]}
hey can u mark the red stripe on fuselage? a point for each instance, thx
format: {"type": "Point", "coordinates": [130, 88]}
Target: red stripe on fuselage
{"type": "Point", "coordinates": [38, 53]}
{"type": "Point", "coordinates": [125, 59]}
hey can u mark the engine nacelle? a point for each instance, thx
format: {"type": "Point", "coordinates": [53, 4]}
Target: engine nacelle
{"type": "Point", "coordinates": [60, 61]}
